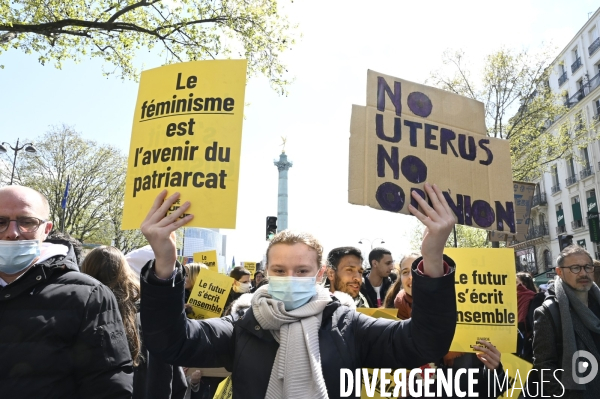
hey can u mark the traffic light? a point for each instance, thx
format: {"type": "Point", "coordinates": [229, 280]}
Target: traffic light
{"type": "Point", "coordinates": [564, 240]}
{"type": "Point", "coordinates": [271, 227]}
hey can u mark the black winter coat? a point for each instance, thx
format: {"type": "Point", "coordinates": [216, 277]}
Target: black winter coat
{"type": "Point", "coordinates": [369, 292]}
{"type": "Point", "coordinates": [61, 335]}
{"type": "Point", "coordinates": [347, 339]}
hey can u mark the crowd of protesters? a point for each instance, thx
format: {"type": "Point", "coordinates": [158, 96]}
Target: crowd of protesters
{"type": "Point", "coordinates": [116, 326]}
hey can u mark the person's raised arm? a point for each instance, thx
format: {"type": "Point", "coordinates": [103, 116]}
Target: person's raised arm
{"type": "Point", "coordinates": [157, 228]}
{"type": "Point", "coordinates": [438, 222]}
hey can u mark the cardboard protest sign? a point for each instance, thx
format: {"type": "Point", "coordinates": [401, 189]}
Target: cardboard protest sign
{"type": "Point", "coordinates": [409, 134]}
{"type": "Point", "coordinates": [210, 371]}
{"type": "Point", "coordinates": [209, 258]}
{"type": "Point", "coordinates": [209, 294]}
{"type": "Point", "coordinates": [186, 137]}
{"type": "Point", "coordinates": [379, 312]}
{"type": "Point", "coordinates": [251, 267]}
{"type": "Point", "coordinates": [486, 297]}
{"type": "Point", "coordinates": [523, 193]}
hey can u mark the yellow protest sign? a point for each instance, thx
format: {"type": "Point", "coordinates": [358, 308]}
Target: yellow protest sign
{"type": "Point", "coordinates": [224, 390]}
{"type": "Point", "coordinates": [516, 370]}
{"type": "Point", "coordinates": [251, 267]}
{"type": "Point", "coordinates": [186, 137]}
{"type": "Point", "coordinates": [486, 297]}
{"type": "Point", "coordinates": [209, 294]}
{"type": "Point", "coordinates": [409, 134]}
{"type": "Point", "coordinates": [209, 258]}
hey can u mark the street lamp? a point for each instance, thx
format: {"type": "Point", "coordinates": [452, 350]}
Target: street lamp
{"type": "Point", "coordinates": [28, 147]}
{"type": "Point", "coordinates": [371, 242]}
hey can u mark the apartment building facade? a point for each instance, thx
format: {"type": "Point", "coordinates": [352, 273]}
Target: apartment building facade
{"type": "Point", "coordinates": [565, 198]}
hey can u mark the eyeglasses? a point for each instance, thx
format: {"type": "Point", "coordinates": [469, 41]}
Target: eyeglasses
{"type": "Point", "coordinates": [25, 224]}
{"type": "Point", "coordinates": [575, 269]}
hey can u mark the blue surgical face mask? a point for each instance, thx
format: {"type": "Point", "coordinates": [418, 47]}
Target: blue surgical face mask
{"type": "Point", "coordinates": [293, 291]}
{"type": "Point", "coordinates": [17, 255]}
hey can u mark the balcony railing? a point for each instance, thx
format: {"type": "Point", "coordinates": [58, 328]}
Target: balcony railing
{"type": "Point", "coordinates": [577, 224]}
{"type": "Point", "coordinates": [586, 172]}
{"type": "Point", "coordinates": [578, 96]}
{"type": "Point", "coordinates": [594, 46]}
{"type": "Point", "coordinates": [593, 82]}
{"type": "Point", "coordinates": [576, 65]}
{"type": "Point", "coordinates": [563, 78]}
{"type": "Point", "coordinates": [571, 180]}
{"type": "Point", "coordinates": [539, 199]}
{"type": "Point", "coordinates": [537, 231]}
{"type": "Point", "coordinates": [561, 229]}
{"type": "Point", "coordinates": [555, 189]}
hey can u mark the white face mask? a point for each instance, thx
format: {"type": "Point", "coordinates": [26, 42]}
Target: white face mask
{"type": "Point", "coordinates": [242, 288]}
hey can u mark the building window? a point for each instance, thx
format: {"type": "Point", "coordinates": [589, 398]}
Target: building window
{"type": "Point", "coordinates": [555, 181]}
{"type": "Point", "coordinates": [571, 179]}
{"type": "Point", "coordinates": [548, 259]}
{"type": "Point", "coordinates": [586, 156]}
{"type": "Point", "coordinates": [571, 165]}
{"type": "Point", "coordinates": [587, 169]}
{"type": "Point", "coordinates": [577, 214]}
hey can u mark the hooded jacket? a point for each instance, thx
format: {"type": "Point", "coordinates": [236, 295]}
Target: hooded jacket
{"type": "Point", "coordinates": [347, 339]}
{"type": "Point", "coordinates": [61, 335]}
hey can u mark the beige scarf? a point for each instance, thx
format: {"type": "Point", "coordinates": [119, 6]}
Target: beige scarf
{"type": "Point", "coordinates": [297, 371]}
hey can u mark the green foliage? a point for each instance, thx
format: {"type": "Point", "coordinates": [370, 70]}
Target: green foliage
{"type": "Point", "coordinates": [97, 175]}
{"type": "Point", "coordinates": [114, 30]}
{"type": "Point", "coordinates": [466, 237]}
{"type": "Point", "coordinates": [519, 106]}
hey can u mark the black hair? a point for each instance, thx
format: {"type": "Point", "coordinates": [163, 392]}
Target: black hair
{"type": "Point", "coordinates": [336, 254]}
{"type": "Point", "coordinates": [238, 272]}
{"type": "Point", "coordinates": [377, 254]}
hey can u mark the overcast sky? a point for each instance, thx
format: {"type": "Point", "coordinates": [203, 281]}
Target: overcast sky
{"type": "Point", "coordinates": [340, 41]}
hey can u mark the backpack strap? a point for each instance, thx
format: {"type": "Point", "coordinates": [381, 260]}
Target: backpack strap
{"type": "Point", "coordinates": [551, 306]}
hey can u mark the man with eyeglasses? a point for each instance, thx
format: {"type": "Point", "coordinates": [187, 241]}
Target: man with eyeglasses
{"type": "Point", "coordinates": [569, 322]}
{"type": "Point", "coordinates": [61, 334]}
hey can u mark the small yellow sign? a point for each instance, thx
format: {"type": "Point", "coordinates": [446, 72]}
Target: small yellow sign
{"type": "Point", "coordinates": [224, 390]}
{"type": "Point", "coordinates": [251, 267]}
{"type": "Point", "coordinates": [516, 370]}
{"type": "Point", "coordinates": [209, 258]}
{"type": "Point", "coordinates": [186, 137]}
{"type": "Point", "coordinates": [486, 297]}
{"type": "Point", "coordinates": [209, 295]}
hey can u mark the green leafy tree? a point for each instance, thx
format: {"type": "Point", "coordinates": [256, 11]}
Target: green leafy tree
{"type": "Point", "coordinates": [96, 173]}
{"type": "Point", "coordinates": [519, 106]}
{"type": "Point", "coordinates": [114, 30]}
{"type": "Point", "coordinates": [466, 237]}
